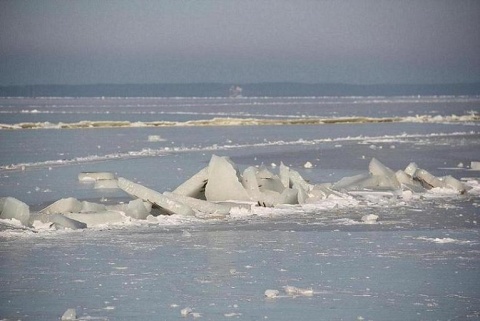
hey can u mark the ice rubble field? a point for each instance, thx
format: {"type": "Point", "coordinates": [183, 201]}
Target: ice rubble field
{"type": "Point", "coordinates": [347, 228]}
{"type": "Point", "coordinates": [219, 191]}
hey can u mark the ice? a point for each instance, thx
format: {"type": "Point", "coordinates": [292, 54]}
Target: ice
{"type": "Point", "coordinates": [92, 207]}
{"type": "Point", "coordinates": [370, 218]}
{"type": "Point", "coordinates": [64, 205]}
{"type": "Point", "coordinates": [284, 175]}
{"type": "Point", "coordinates": [155, 138]}
{"type": "Point", "coordinates": [414, 176]}
{"type": "Point", "coordinates": [194, 186]}
{"type": "Point", "coordinates": [301, 194]}
{"type": "Point", "coordinates": [453, 183]}
{"type": "Point", "coordinates": [320, 192]}
{"type": "Point", "coordinates": [411, 169]}
{"type": "Point", "coordinates": [288, 196]}
{"type": "Point", "coordinates": [137, 209]}
{"type": "Point", "coordinates": [271, 294]}
{"type": "Point", "coordinates": [266, 189]}
{"type": "Point", "coordinates": [95, 176]}
{"type": "Point", "coordinates": [225, 189]}
{"type": "Point", "coordinates": [268, 181]}
{"type": "Point", "coordinates": [138, 269]}
{"type": "Point", "coordinates": [99, 218]}
{"type": "Point", "coordinates": [290, 177]}
{"type": "Point", "coordinates": [11, 208]}
{"type": "Point", "coordinates": [474, 165]}
{"type": "Point", "coordinates": [61, 221]}
{"type": "Point", "coordinates": [427, 180]}
{"type": "Point", "coordinates": [408, 182]}
{"type": "Point", "coordinates": [200, 205]}
{"type": "Point", "coordinates": [223, 181]}
{"type": "Point", "coordinates": [106, 183]}
{"type": "Point", "coordinates": [387, 176]}
{"type": "Point", "coordinates": [352, 182]}
{"type": "Point", "coordinates": [89, 207]}
{"type": "Point", "coordinates": [250, 182]}
{"type": "Point", "coordinates": [154, 197]}
{"type": "Point", "coordinates": [308, 165]}
{"type": "Point", "coordinates": [70, 314]}
{"type": "Point", "coordinates": [379, 177]}
{"type": "Point", "coordinates": [186, 311]}
{"type": "Point", "coordinates": [294, 291]}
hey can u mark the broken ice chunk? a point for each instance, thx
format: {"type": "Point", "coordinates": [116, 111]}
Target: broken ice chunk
{"type": "Point", "coordinates": [154, 197]}
{"type": "Point", "coordinates": [95, 176]}
{"type": "Point", "coordinates": [64, 205]}
{"type": "Point", "coordinates": [475, 166]}
{"type": "Point", "coordinates": [308, 165]}
{"type": "Point", "coordinates": [155, 138]}
{"type": "Point", "coordinates": [268, 181]}
{"type": "Point", "coordinates": [386, 175]}
{"type": "Point", "coordinates": [370, 218]}
{"type": "Point", "coordinates": [99, 218]}
{"type": "Point", "coordinates": [296, 178]}
{"type": "Point", "coordinates": [61, 221]}
{"type": "Point", "coordinates": [408, 182]}
{"type": "Point", "coordinates": [194, 186]}
{"type": "Point", "coordinates": [223, 181]}
{"type": "Point", "coordinates": [288, 196]}
{"type": "Point", "coordinates": [321, 191]}
{"type": "Point", "coordinates": [284, 175]}
{"type": "Point", "coordinates": [351, 182]}
{"type": "Point", "coordinates": [427, 180]}
{"type": "Point", "coordinates": [292, 290]}
{"type": "Point", "coordinates": [454, 183]}
{"type": "Point", "coordinates": [92, 207]}
{"type": "Point", "coordinates": [290, 177]}
{"type": "Point", "coordinates": [70, 314]}
{"type": "Point", "coordinates": [200, 205]}
{"type": "Point", "coordinates": [272, 198]}
{"type": "Point", "coordinates": [250, 182]}
{"type": "Point", "coordinates": [411, 169]}
{"type": "Point", "coordinates": [302, 196]}
{"type": "Point", "coordinates": [137, 210]}
{"type": "Point", "coordinates": [15, 209]}
{"type": "Point", "coordinates": [271, 294]}
{"type": "Point", "coordinates": [106, 184]}
{"type": "Point", "coordinates": [266, 188]}
{"type": "Point", "coordinates": [186, 311]}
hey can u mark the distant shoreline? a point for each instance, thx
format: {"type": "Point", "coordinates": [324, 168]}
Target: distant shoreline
{"type": "Point", "coordinates": [271, 89]}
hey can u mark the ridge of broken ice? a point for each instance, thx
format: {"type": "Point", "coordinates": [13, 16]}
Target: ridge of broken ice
{"type": "Point", "coordinates": [231, 121]}
{"type": "Point", "coordinates": [221, 191]}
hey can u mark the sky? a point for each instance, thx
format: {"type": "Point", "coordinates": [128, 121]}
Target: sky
{"type": "Point", "coordinates": [228, 41]}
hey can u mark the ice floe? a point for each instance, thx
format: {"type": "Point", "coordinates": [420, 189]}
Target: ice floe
{"type": "Point", "coordinates": [444, 240]}
{"type": "Point", "coordinates": [70, 314]}
{"type": "Point", "coordinates": [222, 191]}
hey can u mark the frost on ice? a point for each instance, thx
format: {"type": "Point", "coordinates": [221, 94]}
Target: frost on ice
{"type": "Point", "coordinates": [221, 190]}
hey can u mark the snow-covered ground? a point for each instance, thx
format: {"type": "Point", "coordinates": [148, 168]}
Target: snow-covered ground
{"type": "Point", "coordinates": [369, 256]}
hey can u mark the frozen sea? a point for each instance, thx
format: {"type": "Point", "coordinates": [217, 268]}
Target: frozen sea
{"type": "Point", "coordinates": [419, 261]}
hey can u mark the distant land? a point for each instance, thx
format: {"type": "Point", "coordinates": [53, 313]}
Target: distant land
{"type": "Point", "coordinates": [273, 89]}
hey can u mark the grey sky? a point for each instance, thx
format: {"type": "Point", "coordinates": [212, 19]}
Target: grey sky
{"type": "Point", "coordinates": [357, 41]}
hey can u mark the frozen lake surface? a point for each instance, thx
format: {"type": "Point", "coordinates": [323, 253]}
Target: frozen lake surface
{"type": "Point", "coordinates": [419, 261]}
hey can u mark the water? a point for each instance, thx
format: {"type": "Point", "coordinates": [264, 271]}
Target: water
{"type": "Point", "coordinates": [420, 261]}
